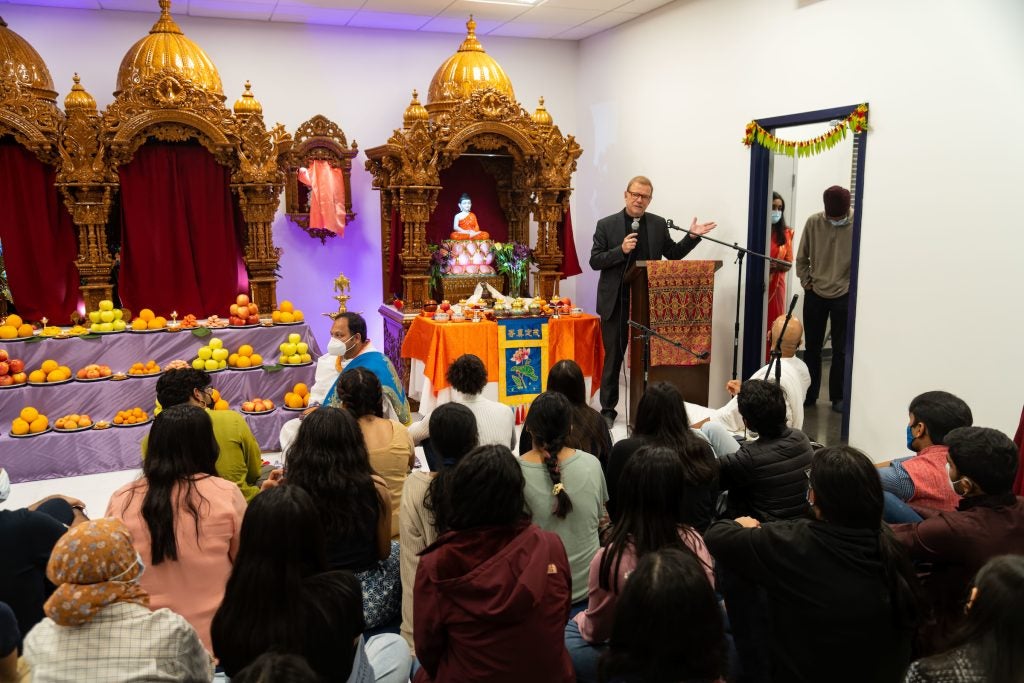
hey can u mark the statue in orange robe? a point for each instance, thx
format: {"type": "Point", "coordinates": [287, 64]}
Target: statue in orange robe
{"type": "Point", "coordinates": [465, 226]}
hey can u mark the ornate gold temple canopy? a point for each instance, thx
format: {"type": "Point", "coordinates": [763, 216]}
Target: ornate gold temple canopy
{"type": "Point", "coordinates": [28, 101]}
{"type": "Point", "coordinates": [471, 108]}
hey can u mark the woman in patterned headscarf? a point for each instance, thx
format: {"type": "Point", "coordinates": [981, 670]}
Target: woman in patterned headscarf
{"type": "Point", "coordinates": [99, 626]}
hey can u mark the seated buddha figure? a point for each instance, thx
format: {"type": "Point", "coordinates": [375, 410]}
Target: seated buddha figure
{"type": "Point", "coordinates": [465, 227]}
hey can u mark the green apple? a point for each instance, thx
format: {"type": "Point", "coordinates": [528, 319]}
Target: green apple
{"type": "Point", "coordinates": [119, 325]}
{"type": "Point", "coordinates": [95, 327]}
{"type": "Point", "coordinates": [205, 352]}
{"type": "Point", "coordinates": [106, 305]}
{"type": "Point", "coordinates": [288, 349]}
{"type": "Point", "coordinates": [211, 364]}
{"type": "Point", "coordinates": [282, 359]}
{"type": "Point", "coordinates": [199, 364]}
{"type": "Point", "coordinates": [294, 338]}
{"type": "Point", "coordinates": [222, 364]}
{"type": "Point", "coordinates": [294, 359]}
{"type": "Point", "coordinates": [306, 358]}
{"type": "Point", "coordinates": [118, 314]}
{"type": "Point", "coordinates": [106, 327]}
{"type": "Point", "coordinates": [107, 316]}
{"type": "Point", "coordinates": [215, 343]}
{"type": "Point", "coordinates": [302, 348]}
{"type": "Point", "coordinates": [94, 316]}
{"type": "Point", "coordinates": [220, 354]}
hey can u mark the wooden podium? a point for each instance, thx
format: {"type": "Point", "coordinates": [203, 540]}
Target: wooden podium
{"type": "Point", "coordinates": [691, 380]}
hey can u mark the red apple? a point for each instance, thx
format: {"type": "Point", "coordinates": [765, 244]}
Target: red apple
{"type": "Point", "coordinates": [445, 306]}
{"type": "Point", "coordinates": [17, 365]}
{"type": "Point", "coordinates": [399, 304]}
{"type": "Point", "coordinates": [104, 371]}
{"type": "Point", "coordinates": [3, 354]}
{"type": "Point", "coordinates": [92, 373]}
{"type": "Point", "coordinates": [242, 300]}
{"type": "Point", "coordinates": [6, 380]}
{"type": "Point", "coordinates": [4, 368]}
{"type": "Point", "coordinates": [248, 406]}
{"type": "Point", "coordinates": [19, 377]}
{"type": "Point", "coordinates": [82, 374]}
{"type": "Point", "coordinates": [252, 320]}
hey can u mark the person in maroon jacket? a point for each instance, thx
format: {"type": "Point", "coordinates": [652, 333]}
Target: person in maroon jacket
{"type": "Point", "coordinates": [989, 521]}
{"type": "Point", "coordinates": [492, 593]}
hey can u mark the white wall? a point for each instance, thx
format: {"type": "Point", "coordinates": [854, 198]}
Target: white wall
{"type": "Point", "coordinates": [360, 78]}
{"type": "Point", "coordinates": [669, 93]}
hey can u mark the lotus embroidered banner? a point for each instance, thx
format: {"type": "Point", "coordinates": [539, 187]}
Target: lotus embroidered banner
{"type": "Point", "coordinates": [522, 359]}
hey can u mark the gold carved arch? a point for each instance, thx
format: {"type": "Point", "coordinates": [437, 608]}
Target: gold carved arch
{"type": "Point", "coordinates": [176, 126]}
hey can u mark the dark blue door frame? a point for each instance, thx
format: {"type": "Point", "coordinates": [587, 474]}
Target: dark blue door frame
{"type": "Point", "coordinates": [757, 240]}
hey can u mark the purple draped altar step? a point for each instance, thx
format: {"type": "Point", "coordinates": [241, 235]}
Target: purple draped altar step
{"type": "Point", "coordinates": [55, 455]}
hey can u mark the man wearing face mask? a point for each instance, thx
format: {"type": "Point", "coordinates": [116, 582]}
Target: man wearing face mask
{"type": "Point", "coordinates": [240, 460]}
{"type": "Point", "coordinates": [988, 521]}
{"type": "Point", "coordinates": [921, 480]}
{"type": "Point", "coordinates": [823, 266]}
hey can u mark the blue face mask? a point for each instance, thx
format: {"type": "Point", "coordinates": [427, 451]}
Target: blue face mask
{"type": "Point", "coordinates": [910, 438]}
{"type": "Point", "coordinates": [776, 216]}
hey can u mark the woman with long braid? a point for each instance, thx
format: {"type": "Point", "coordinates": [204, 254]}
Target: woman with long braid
{"type": "Point", "coordinates": [565, 488]}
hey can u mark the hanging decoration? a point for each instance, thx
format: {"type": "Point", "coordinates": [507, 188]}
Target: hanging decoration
{"type": "Point", "coordinates": [856, 122]}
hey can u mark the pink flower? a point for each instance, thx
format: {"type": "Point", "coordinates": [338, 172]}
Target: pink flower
{"type": "Point", "coordinates": [521, 356]}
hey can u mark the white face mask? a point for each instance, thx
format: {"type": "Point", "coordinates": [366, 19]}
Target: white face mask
{"type": "Point", "coordinates": [5, 486]}
{"type": "Point", "coordinates": [776, 216]}
{"type": "Point", "coordinates": [139, 562]}
{"type": "Point", "coordinates": [839, 222]}
{"type": "Point", "coordinates": [952, 484]}
{"type": "Point", "coordinates": [337, 347]}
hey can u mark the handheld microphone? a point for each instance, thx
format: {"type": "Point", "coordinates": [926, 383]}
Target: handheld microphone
{"type": "Point", "coordinates": [635, 227]}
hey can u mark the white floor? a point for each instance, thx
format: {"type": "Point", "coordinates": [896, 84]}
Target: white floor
{"type": "Point", "coordinates": [95, 489]}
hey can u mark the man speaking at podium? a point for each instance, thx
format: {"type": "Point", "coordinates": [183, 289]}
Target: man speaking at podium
{"type": "Point", "coordinates": [620, 240]}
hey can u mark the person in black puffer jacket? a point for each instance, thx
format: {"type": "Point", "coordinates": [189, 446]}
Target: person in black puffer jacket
{"type": "Point", "coordinates": [765, 477]}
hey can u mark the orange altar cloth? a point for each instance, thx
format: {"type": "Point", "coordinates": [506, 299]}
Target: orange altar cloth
{"type": "Point", "coordinates": [437, 345]}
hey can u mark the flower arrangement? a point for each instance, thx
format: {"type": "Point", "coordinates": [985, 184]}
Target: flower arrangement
{"type": "Point", "coordinates": [438, 264]}
{"type": "Point", "coordinates": [513, 260]}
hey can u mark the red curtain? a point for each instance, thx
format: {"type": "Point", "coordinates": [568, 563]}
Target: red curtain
{"type": "Point", "coordinates": [180, 250]}
{"type": "Point", "coordinates": [467, 175]}
{"type": "Point", "coordinates": [570, 261]}
{"type": "Point", "coordinates": [38, 238]}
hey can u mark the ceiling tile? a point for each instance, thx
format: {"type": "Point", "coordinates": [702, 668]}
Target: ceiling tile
{"type": "Point", "coordinates": [577, 33]}
{"type": "Point", "coordinates": [457, 24]}
{"type": "Point", "coordinates": [480, 10]}
{"type": "Point", "coordinates": [68, 4]}
{"type": "Point", "coordinates": [421, 7]}
{"type": "Point", "coordinates": [392, 20]}
{"type": "Point", "coordinates": [350, 5]}
{"type": "Point", "coordinates": [142, 6]}
{"type": "Point", "coordinates": [226, 9]}
{"type": "Point", "coordinates": [595, 6]}
{"type": "Point", "coordinates": [525, 29]}
{"type": "Point", "coordinates": [640, 6]}
{"type": "Point", "coordinates": [555, 15]}
{"type": "Point", "coordinates": [304, 14]}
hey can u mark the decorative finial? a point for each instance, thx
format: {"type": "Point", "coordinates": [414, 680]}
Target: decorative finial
{"type": "Point", "coordinates": [415, 111]}
{"type": "Point", "coordinates": [78, 98]}
{"type": "Point", "coordinates": [541, 117]}
{"type": "Point", "coordinates": [471, 43]}
{"type": "Point", "coordinates": [247, 103]}
{"type": "Point", "coordinates": [166, 23]}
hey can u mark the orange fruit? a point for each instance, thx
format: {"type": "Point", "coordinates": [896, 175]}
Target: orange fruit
{"type": "Point", "coordinates": [216, 395]}
{"type": "Point", "coordinates": [55, 376]}
{"type": "Point", "coordinates": [39, 424]}
{"type": "Point", "coordinates": [49, 366]}
{"type": "Point", "coordinates": [244, 362]}
{"type": "Point", "coordinates": [14, 320]}
{"type": "Point", "coordinates": [37, 377]}
{"type": "Point", "coordinates": [119, 419]}
{"type": "Point", "coordinates": [245, 350]}
{"type": "Point", "coordinates": [156, 324]}
{"type": "Point", "coordinates": [28, 413]}
{"type": "Point", "coordinates": [305, 401]}
{"type": "Point", "coordinates": [8, 332]}
{"type": "Point", "coordinates": [298, 317]}
{"type": "Point", "coordinates": [25, 330]}
{"type": "Point", "coordinates": [84, 421]}
{"type": "Point", "coordinates": [287, 317]}
{"type": "Point", "coordinates": [139, 324]}
{"type": "Point", "coordinates": [256, 359]}
{"type": "Point", "coordinates": [233, 360]}
{"type": "Point", "coordinates": [300, 389]}
{"type": "Point", "coordinates": [286, 307]}
{"type": "Point", "coordinates": [221, 404]}
{"type": "Point", "coordinates": [66, 371]}
{"type": "Point", "coordinates": [146, 314]}
{"type": "Point", "coordinates": [19, 426]}
{"type": "Point", "coordinates": [275, 316]}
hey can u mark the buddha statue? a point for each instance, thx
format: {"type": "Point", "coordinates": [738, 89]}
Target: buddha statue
{"type": "Point", "coordinates": [465, 226]}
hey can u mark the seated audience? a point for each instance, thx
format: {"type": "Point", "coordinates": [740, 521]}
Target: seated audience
{"type": "Point", "coordinates": [495, 422]}
{"type": "Point", "coordinates": [796, 379]}
{"type": "Point", "coordinates": [240, 460]}
{"type": "Point", "coordinates": [329, 461]}
{"type": "Point", "coordinates": [282, 598]}
{"type": "Point", "coordinates": [765, 476]}
{"type": "Point", "coordinates": [987, 646]}
{"type": "Point", "coordinates": [565, 488]}
{"type": "Point", "coordinates": [652, 503]}
{"type": "Point", "coordinates": [839, 592]}
{"type": "Point", "coordinates": [100, 625]}
{"type": "Point", "coordinates": [988, 521]}
{"type": "Point", "coordinates": [10, 643]}
{"type": "Point", "coordinates": [273, 667]}
{"type": "Point", "coordinates": [589, 431]}
{"type": "Point", "coordinates": [492, 593]}
{"type": "Point", "coordinates": [27, 536]}
{"type": "Point", "coordinates": [391, 452]}
{"type": "Point", "coordinates": [668, 626]}
{"type": "Point", "coordinates": [921, 480]}
{"type": "Point", "coordinates": [661, 421]}
{"type": "Point", "coordinates": [453, 434]}
{"type": "Point", "coordinates": [184, 518]}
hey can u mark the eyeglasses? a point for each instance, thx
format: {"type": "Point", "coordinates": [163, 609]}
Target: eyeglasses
{"type": "Point", "coordinates": [638, 195]}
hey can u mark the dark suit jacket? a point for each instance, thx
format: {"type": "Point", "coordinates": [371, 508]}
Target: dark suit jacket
{"type": "Point", "coordinates": [606, 254]}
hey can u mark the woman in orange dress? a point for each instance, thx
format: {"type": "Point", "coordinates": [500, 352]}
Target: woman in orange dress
{"type": "Point", "coordinates": [781, 248]}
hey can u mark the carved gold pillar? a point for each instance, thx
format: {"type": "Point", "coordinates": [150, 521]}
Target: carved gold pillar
{"type": "Point", "coordinates": [385, 245]}
{"type": "Point", "coordinates": [258, 203]}
{"type": "Point", "coordinates": [89, 206]}
{"type": "Point", "coordinates": [518, 213]}
{"type": "Point", "coordinates": [548, 212]}
{"type": "Point", "coordinates": [415, 207]}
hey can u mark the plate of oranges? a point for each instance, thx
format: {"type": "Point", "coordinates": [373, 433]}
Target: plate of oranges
{"type": "Point", "coordinates": [50, 373]}
{"type": "Point", "coordinates": [72, 423]}
{"type": "Point", "coordinates": [30, 422]}
{"type": "Point", "coordinates": [133, 417]}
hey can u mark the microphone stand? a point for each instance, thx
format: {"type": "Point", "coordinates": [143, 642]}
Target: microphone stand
{"type": "Point", "coordinates": [740, 253]}
{"type": "Point", "coordinates": [645, 334]}
{"type": "Point", "coordinates": [776, 360]}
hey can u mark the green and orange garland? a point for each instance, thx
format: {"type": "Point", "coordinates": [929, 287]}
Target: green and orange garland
{"type": "Point", "coordinates": [856, 122]}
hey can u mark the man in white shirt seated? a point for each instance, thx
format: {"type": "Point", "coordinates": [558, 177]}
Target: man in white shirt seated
{"type": "Point", "coordinates": [795, 380]}
{"type": "Point", "coordinates": [495, 422]}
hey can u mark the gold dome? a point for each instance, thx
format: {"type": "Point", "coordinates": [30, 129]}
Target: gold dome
{"type": "Point", "coordinates": [415, 111]}
{"type": "Point", "coordinates": [541, 117]}
{"type": "Point", "coordinates": [167, 47]}
{"type": "Point", "coordinates": [78, 99]}
{"type": "Point", "coordinates": [247, 103]}
{"type": "Point", "coordinates": [20, 60]}
{"type": "Point", "coordinates": [469, 69]}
